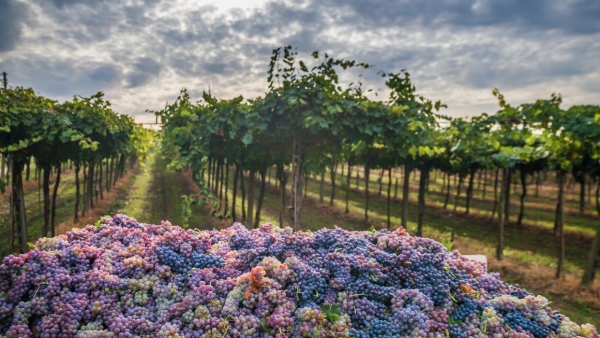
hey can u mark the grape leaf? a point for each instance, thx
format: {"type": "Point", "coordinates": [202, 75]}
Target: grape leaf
{"type": "Point", "coordinates": [263, 326]}
{"type": "Point", "coordinates": [332, 312]}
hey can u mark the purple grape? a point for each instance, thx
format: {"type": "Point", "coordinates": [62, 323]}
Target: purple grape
{"type": "Point", "coordinates": [130, 279]}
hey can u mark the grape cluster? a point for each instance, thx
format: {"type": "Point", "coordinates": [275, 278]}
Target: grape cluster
{"type": "Point", "coordinates": [129, 279]}
{"type": "Point", "coordinates": [181, 264]}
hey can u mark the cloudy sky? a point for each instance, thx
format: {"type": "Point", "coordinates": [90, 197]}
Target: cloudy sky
{"type": "Point", "coordinates": [142, 52]}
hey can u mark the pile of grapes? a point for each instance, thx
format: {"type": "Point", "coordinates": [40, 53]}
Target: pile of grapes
{"type": "Point", "coordinates": [122, 278]}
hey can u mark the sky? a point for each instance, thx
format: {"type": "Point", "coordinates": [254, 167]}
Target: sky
{"type": "Point", "coordinates": [141, 53]}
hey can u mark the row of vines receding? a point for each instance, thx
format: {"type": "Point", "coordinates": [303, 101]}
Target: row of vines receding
{"type": "Point", "coordinates": [84, 134]}
{"type": "Point", "coordinates": [309, 121]}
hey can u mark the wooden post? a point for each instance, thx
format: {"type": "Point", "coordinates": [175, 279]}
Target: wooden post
{"type": "Point", "coordinates": [77, 193]}
{"type": "Point", "coordinates": [367, 172]}
{"type": "Point", "coordinates": [321, 185]}
{"type": "Point", "coordinates": [405, 194]}
{"type": "Point", "coordinates": [389, 198]}
{"type": "Point", "coordinates": [504, 190]}
{"type": "Point", "coordinates": [422, 182]}
{"type": "Point", "coordinates": [297, 181]}
{"type": "Point", "coordinates": [348, 176]}
{"type": "Point", "coordinates": [333, 172]}
{"type": "Point", "coordinates": [460, 181]}
{"type": "Point", "coordinates": [592, 262]}
{"type": "Point", "coordinates": [251, 197]}
{"type": "Point", "coordinates": [561, 224]}
{"type": "Point", "coordinates": [234, 197]}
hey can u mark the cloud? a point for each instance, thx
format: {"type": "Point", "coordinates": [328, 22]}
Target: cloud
{"type": "Point", "coordinates": [142, 52]}
{"type": "Point", "coordinates": [144, 70]}
{"type": "Point", "coordinates": [570, 17]}
{"type": "Point", "coordinates": [65, 3]}
{"type": "Point", "coordinates": [12, 15]}
{"type": "Point", "coordinates": [61, 79]}
{"type": "Point", "coordinates": [104, 74]}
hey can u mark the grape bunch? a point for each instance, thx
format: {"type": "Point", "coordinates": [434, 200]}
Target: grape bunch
{"type": "Point", "coordinates": [123, 278]}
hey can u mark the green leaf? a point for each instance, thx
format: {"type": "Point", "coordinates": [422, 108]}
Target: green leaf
{"type": "Point", "coordinates": [454, 321]}
{"type": "Point", "coordinates": [447, 244]}
{"type": "Point", "coordinates": [101, 220]}
{"type": "Point", "coordinates": [263, 326]}
{"type": "Point", "coordinates": [332, 312]}
{"type": "Point", "coordinates": [413, 151]}
{"type": "Point", "coordinates": [302, 66]}
{"type": "Point", "coordinates": [247, 139]}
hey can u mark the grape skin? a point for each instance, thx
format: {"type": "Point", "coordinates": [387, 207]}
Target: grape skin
{"type": "Point", "coordinates": [131, 279]}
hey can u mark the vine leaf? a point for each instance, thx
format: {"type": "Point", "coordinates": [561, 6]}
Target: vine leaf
{"type": "Point", "coordinates": [447, 244]}
{"type": "Point", "coordinates": [332, 312]}
{"type": "Point", "coordinates": [264, 327]}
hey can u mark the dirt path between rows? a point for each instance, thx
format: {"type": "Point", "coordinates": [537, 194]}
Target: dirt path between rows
{"type": "Point", "coordinates": [101, 205]}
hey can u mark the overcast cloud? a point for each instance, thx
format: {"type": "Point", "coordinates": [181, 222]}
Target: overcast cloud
{"type": "Point", "coordinates": [142, 52]}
